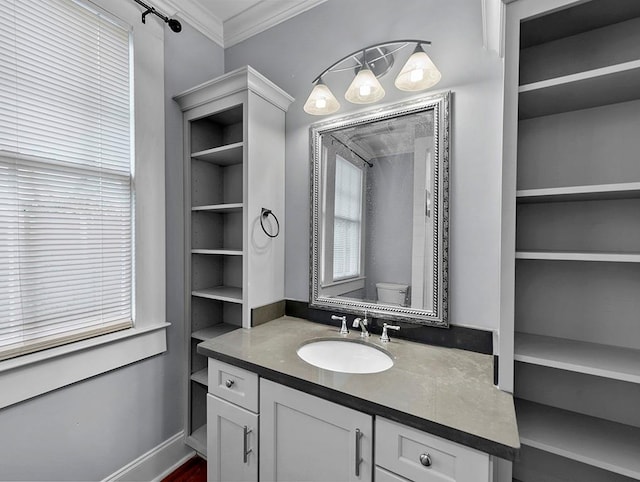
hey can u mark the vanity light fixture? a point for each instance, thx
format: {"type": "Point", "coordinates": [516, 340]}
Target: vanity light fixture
{"type": "Point", "coordinates": [418, 73]}
{"type": "Point", "coordinates": [321, 101]}
{"type": "Point", "coordinates": [365, 88]}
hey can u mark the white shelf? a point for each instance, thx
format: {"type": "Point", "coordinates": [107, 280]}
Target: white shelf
{"type": "Point", "coordinates": [595, 192]}
{"type": "Point", "coordinates": [578, 356]}
{"type": "Point", "coordinates": [595, 256]}
{"type": "Point", "coordinates": [198, 439]}
{"type": "Point", "coordinates": [222, 293]}
{"type": "Point", "coordinates": [201, 377]}
{"type": "Point", "coordinates": [593, 441]}
{"type": "Point", "coordinates": [225, 252]}
{"type": "Point", "coordinates": [213, 331]}
{"type": "Point", "coordinates": [219, 208]}
{"type": "Point", "coordinates": [592, 88]}
{"type": "Point", "coordinates": [222, 156]}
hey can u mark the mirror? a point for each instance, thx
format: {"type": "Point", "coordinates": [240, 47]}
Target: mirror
{"type": "Point", "coordinates": [379, 212]}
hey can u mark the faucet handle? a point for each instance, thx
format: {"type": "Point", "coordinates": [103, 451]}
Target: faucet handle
{"type": "Point", "coordinates": [343, 328]}
{"type": "Point", "coordinates": [385, 336]}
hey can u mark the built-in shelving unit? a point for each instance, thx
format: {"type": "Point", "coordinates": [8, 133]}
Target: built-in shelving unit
{"type": "Point", "coordinates": [579, 356]}
{"type": "Point", "coordinates": [220, 208]}
{"type": "Point", "coordinates": [577, 237]}
{"type": "Point", "coordinates": [201, 377]}
{"type": "Point", "coordinates": [229, 294]}
{"type": "Point", "coordinates": [628, 190]}
{"type": "Point", "coordinates": [582, 90]}
{"type": "Point", "coordinates": [226, 184]}
{"type": "Point", "coordinates": [223, 155]}
{"type": "Point", "coordinates": [579, 256]}
{"type": "Point", "coordinates": [590, 440]}
{"type": "Point", "coordinates": [212, 331]}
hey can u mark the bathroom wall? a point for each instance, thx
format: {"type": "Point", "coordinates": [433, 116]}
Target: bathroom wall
{"type": "Point", "coordinates": [91, 429]}
{"type": "Point", "coordinates": [388, 256]}
{"type": "Point", "coordinates": [294, 52]}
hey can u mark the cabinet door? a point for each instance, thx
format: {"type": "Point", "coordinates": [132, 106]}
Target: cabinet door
{"type": "Point", "coordinates": [382, 475]}
{"type": "Point", "coordinates": [232, 442]}
{"type": "Point", "coordinates": [305, 438]}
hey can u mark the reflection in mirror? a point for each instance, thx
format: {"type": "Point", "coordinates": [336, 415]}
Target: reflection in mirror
{"type": "Point", "coordinates": [379, 212]}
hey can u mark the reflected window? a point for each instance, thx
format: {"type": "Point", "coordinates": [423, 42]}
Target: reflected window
{"type": "Point", "coordinates": [348, 220]}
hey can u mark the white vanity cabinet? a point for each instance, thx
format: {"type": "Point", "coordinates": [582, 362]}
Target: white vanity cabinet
{"type": "Point", "coordinates": [404, 453]}
{"type": "Point", "coordinates": [303, 437]}
{"type": "Point", "coordinates": [261, 430]}
{"type": "Point", "coordinates": [232, 424]}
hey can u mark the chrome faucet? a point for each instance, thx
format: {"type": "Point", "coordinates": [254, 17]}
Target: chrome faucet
{"type": "Point", "coordinates": [343, 319]}
{"type": "Point", "coordinates": [385, 335]}
{"type": "Point", "coordinates": [362, 323]}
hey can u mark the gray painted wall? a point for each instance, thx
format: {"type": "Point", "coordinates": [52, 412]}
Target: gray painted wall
{"type": "Point", "coordinates": [388, 255]}
{"type": "Point", "coordinates": [294, 52]}
{"type": "Point", "coordinates": [90, 429]}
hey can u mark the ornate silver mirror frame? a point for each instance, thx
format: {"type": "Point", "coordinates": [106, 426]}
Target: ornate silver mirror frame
{"type": "Point", "coordinates": [412, 140]}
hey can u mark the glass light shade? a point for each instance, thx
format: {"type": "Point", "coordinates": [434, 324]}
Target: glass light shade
{"type": "Point", "coordinates": [418, 73]}
{"type": "Point", "coordinates": [321, 101]}
{"type": "Point", "coordinates": [365, 88]}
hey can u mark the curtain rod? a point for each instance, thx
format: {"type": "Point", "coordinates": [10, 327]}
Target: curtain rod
{"type": "Point", "coordinates": [172, 22]}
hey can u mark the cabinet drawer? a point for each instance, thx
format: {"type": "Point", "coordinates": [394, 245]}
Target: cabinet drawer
{"type": "Point", "coordinates": [233, 384]}
{"type": "Point", "coordinates": [398, 449]}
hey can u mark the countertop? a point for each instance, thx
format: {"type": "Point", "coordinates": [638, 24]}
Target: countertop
{"type": "Point", "coordinates": [444, 391]}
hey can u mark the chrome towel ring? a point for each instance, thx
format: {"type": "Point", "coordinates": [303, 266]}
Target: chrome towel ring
{"type": "Point", "coordinates": [264, 215]}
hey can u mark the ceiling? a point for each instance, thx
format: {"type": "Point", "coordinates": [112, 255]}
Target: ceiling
{"type": "Point", "coordinates": [228, 22]}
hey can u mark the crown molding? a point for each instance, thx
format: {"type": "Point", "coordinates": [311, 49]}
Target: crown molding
{"type": "Point", "coordinates": [192, 13]}
{"type": "Point", "coordinates": [252, 21]}
{"type": "Point", "coordinates": [244, 78]}
{"type": "Point", "coordinates": [261, 17]}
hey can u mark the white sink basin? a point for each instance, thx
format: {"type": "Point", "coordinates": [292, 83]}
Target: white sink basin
{"type": "Point", "coordinates": [346, 356]}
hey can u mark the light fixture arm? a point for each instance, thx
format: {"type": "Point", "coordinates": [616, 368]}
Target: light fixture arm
{"type": "Point", "coordinates": [363, 51]}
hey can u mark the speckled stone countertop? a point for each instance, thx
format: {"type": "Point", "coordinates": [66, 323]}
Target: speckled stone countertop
{"type": "Point", "coordinates": [443, 391]}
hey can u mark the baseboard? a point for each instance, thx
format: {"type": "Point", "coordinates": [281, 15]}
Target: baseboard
{"type": "Point", "coordinates": [156, 463]}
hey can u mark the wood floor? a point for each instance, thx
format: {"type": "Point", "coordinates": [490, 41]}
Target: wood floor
{"type": "Point", "coordinates": [193, 470]}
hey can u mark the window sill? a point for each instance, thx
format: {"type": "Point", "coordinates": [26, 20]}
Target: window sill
{"type": "Point", "coordinates": [341, 287]}
{"type": "Point", "coordinates": [38, 373]}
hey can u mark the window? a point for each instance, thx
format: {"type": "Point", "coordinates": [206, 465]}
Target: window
{"type": "Point", "coordinates": [347, 220]}
{"type": "Point", "coordinates": [66, 195]}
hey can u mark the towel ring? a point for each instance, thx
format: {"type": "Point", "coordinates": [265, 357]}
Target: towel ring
{"type": "Point", "coordinates": [265, 214]}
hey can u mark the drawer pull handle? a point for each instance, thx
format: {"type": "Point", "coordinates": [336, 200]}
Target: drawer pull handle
{"type": "Point", "coordinates": [425, 459]}
{"type": "Point", "coordinates": [246, 450]}
{"type": "Point", "coordinates": [229, 383]}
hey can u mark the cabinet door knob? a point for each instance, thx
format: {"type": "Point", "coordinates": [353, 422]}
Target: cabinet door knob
{"type": "Point", "coordinates": [425, 460]}
{"type": "Point", "coordinates": [229, 383]}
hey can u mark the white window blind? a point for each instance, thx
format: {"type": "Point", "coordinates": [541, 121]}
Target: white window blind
{"type": "Point", "coordinates": [347, 220]}
{"type": "Point", "coordinates": [65, 175]}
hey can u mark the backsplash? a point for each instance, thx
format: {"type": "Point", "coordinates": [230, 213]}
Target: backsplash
{"type": "Point", "coordinates": [479, 341]}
